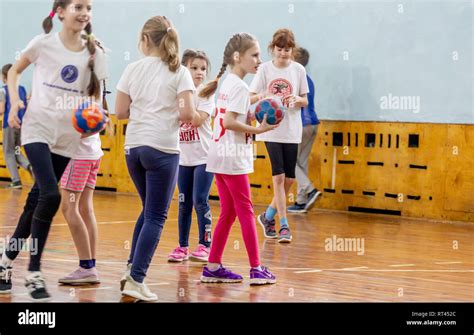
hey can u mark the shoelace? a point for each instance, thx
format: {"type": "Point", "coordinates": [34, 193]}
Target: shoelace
{"type": "Point", "coordinates": [5, 274]}
{"type": "Point", "coordinates": [36, 282]}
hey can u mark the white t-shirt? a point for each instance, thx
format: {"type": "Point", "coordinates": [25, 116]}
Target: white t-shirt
{"type": "Point", "coordinates": [90, 148]}
{"type": "Point", "coordinates": [231, 152]}
{"type": "Point", "coordinates": [154, 117]}
{"type": "Point", "coordinates": [194, 142]}
{"type": "Point", "coordinates": [282, 82]}
{"type": "Point", "coordinates": [60, 81]}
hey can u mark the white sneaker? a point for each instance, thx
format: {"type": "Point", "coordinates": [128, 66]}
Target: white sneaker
{"type": "Point", "coordinates": [138, 290]}
{"type": "Point", "coordinates": [124, 277]}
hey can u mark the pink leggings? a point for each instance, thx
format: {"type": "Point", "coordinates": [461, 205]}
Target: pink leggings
{"type": "Point", "coordinates": [234, 194]}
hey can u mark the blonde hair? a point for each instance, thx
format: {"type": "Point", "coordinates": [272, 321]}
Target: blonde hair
{"type": "Point", "coordinates": [240, 43]}
{"type": "Point", "coordinates": [163, 36]}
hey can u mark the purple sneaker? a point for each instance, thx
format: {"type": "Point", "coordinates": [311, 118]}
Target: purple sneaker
{"type": "Point", "coordinates": [221, 275]}
{"type": "Point", "coordinates": [261, 277]}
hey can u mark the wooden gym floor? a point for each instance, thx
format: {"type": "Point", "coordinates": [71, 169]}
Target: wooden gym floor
{"type": "Point", "coordinates": [410, 260]}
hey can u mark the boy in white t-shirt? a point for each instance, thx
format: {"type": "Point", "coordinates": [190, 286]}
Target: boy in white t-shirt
{"type": "Point", "coordinates": [194, 182]}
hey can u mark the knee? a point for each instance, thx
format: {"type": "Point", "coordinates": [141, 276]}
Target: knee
{"type": "Point", "coordinates": [279, 179]}
{"type": "Point", "coordinates": [201, 204]}
{"type": "Point", "coordinates": [52, 198]}
{"type": "Point", "coordinates": [85, 210]}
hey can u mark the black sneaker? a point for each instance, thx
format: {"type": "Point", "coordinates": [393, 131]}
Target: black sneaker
{"type": "Point", "coordinates": [297, 208]}
{"type": "Point", "coordinates": [312, 197]}
{"type": "Point", "coordinates": [36, 286]}
{"type": "Point", "coordinates": [268, 226]}
{"type": "Point", "coordinates": [5, 279]}
{"type": "Point", "coordinates": [15, 185]}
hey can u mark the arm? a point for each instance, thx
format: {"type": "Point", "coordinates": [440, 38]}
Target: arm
{"type": "Point", "coordinates": [2, 103]}
{"type": "Point", "coordinates": [231, 123]}
{"type": "Point", "coordinates": [122, 105]}
{"type": "Point", "coordinates": [187, 111]}
{"type": "Point", "coordinates": [254, 97]}
{"type": "Point", "coordinates": [199, 118]}
{"type": "Point", "coordinates": [13, 80]}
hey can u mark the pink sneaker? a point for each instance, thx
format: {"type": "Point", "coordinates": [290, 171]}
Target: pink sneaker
{"type": "Point", "coordinates": [201, 254]}
{"type": "Point", "coordinates": [178, 255]}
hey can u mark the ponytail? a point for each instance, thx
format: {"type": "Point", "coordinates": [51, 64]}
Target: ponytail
{"type": "Point", "coordinates": [93, 89]}
{"type": "Point", "coordinates": [211, 86]}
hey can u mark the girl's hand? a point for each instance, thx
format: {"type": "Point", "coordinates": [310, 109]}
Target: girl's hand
{"type": "Point", "coordinates": [290, 101]}
{"type": "Point", "coordinates": [84, 135]}
{"type": "Point", "coordinates": [264, 126]}
{"type": "Point", "coordinates": [13, 119]}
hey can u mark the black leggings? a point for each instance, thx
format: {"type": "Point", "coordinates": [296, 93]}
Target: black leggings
{"type": "Point", "coordinates": [41, 205]}
{"type": "Point", "coordinates": [283, 157]}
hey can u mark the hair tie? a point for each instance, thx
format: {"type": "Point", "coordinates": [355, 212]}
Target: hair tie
{"type": "Point", "coordinates": [168, 29]}
{"type": "Point", "coordinates": [51, 15]}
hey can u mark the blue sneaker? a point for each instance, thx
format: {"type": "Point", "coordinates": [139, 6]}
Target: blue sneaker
{"type": "Point", "coordinates": [268, 226]}
{"type": "Point", "coordinates": [297, 208]}
{"type": "Point", "coordinates": [261, 277]}
{"type": "Point", "coordinates": [221, 275]}
{"type": "Point", "coordinates": [312, 197]}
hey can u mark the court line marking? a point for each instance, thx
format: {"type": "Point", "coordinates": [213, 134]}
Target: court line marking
{"type": "Point", "coordinates": [401, 265]}
{"type": "Point", "coordinates": [88, 288]}
{"type": "Point", "coordinates": [442, 263]}
{"type": "Point", "coordinates": [99, 223]}
{"type": "Point", "coordinates": [156, 284]}
{"type": "Point", "coordinates": [386, 270]}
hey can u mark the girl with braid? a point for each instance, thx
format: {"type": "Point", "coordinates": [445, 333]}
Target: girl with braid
{"type": "Point", "coordinates": [230, 158]}
{"type": "Point", "coordinates": [68, 67]}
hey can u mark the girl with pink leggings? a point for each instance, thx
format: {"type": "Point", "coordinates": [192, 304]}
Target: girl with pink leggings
{"type": "Point", "coordinates": [230, 158]}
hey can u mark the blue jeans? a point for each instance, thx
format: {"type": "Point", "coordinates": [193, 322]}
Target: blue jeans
{"type": "Point", "coordinates": [154, 174]}
{"type": "Point", "coordinates": [194, 184]}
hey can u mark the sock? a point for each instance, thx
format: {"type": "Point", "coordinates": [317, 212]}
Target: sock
{"type": "Point", "coordinates": [6, 262]}
{"type": "Point", "coordinates": [270, 213]}
{"type": "Point", "coordinates": [284, 223]}
{"type": "Point", "coordinates": [213, 266]}
{"type": "Point", "coordinates": [93, 262]}
{"type": "Point", "coordinates": [86, 263]}
{"type": "Point", "coordinates": [259, 268]}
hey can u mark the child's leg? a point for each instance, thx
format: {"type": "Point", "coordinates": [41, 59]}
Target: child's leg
{"type": "Point", "coordinates": [70, 208]}
{"type": "Point", "coordinates": [48, 169]}
{"type": "Point", "coordinates": [138, 175]}
{"type": "Point", "coordinates": [20, 158]}
{"type": "Point", "coordinates": [9, 151]}
{"type": "Point", "coordinates": [304, 151]}
{"type": "Point", "coordinates": [161, 176]}
{"type": "Point", "coordinates": [240, 186]}
{"type": "Point", "coordinates": [225, 221]}
{"type": "Point", "coordinates": [73, 184]}
{"type": "Point", "coordinates": [185, 186]}
{"type": "Point", "coordinates": [201, 188]}
{"type": "Point", "coordinates": [86, 209]}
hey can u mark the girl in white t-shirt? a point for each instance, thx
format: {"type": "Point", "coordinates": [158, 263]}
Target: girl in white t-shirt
{"type": "Point", "coordinates": [68, 68]}
{"type": "Point", "coordinates": [149, 92]}
{"type": "Point", "coordinates": [78, 184]}
{"type": "Point", "coordinates": [281, 77]}
{"type": "Point", "coordinates": [230, 157]}
{"type": "Point", "coordinates": [194, 182]}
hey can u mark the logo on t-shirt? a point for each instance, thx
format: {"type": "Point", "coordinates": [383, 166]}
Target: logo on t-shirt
{"type": "Point", "coordinates": [69, 73]}
{"type": "Point", "coordinates": [188, 133]}
{"type": "Point", "coordinates": [280, 87]}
